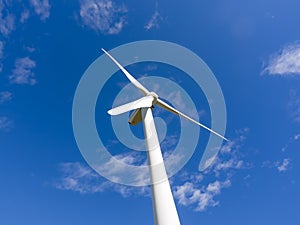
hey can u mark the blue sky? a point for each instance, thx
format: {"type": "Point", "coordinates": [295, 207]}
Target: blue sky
{"type": "Point", "coordinates": [253, 48]}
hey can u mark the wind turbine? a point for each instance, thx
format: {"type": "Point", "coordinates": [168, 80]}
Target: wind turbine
{"type": "Point", "coordinates": [164, 208]}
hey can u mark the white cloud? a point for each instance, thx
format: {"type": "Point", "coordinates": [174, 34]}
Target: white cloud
{"type": "Point", "coordinates": [169, 143]}
{"type": "Point", "coordinates": [103, 16]}
{"type": "Point", "coordinates": [229, 157]}
{"type": "Point", "coordinates": [229, 164]}
{"type": "Point", "coordinates": [283, 166]}
{"type": "Point", "coordinates": [296, 136]}
{"type": "Point", "coordinates": [80, 178]}
{"type": "Point", "coordinates": [151, 67]}
{"type": "Point", "coordinates": [1, 54]}
{"type": "Point", "coordinates": [117, 169]}
{"type": "Point", "coordinates": [285, 62]}
{"type": "Point", "coordinates": [22, 73]}
{"type": "Point", "coordinates": [190, 194]}
{"type": "Point", "coordinates": [24, 15]}
{"type": "Point", "coordinates": [280, 165]}
{"type": "Point", "coordinates": [5, 96]}
{"type": "Point", "coordinates": [29, 49]}
{"type": "Point", "coordinates": [196, 190]}
{"type": "Point", "coordinates": [7, 20]}
{"type": "Point", "coordinates": [292, 139]}
{"type": "Point", "coordinates": [154, 20]}
{"type": "Point", "coordinates": [5, 123]}
{"type": "Point", "coordinates": [178, 100]}
{"type": "Point", "coordinates": [1, 49]}
{"type": "Point", "coordinates": [294, 106]}
{"type": "Point", "coordinates": [41, 8]}
{"type": "Point", "coordinates": [193, 193]}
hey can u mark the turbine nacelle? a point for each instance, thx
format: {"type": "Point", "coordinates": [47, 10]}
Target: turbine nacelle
{"type": "Point", "coordinates": [135, 117]}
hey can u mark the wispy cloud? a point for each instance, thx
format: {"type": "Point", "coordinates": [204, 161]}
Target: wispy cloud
{"type": "Point", "coordinates": [119, 171]}
{"type": "Point", "coordinates": [230, 155]}
{"type": "Point", "coordinates": [5, 96]}
{"type": "Point", "coordinates": [79, 178]}
{"type": "Point", "coordinates": [285, 62]}
{"type": "Point", "coordinates": [8, 15]}
{"type": "Point", "coordinates": [7, 20]}
{"type": "Point", "coordinates": [82, 179]}
{"type": "Point", "coordinates": [292, 139]}
{"type": "Point", "coordinates": [5, 123]}
{"type": "Point", "coordinates": [283, 166]}
{"type": "Point", "coordinates": [154, 20]}
{"type": "Point", "coordinates": [29, 49]}
{"type": "Point", "coordinates": [41, 8]}
{"type": "Point", "coordinates": [203, 197]}
{"type": "Point", "coordinates": [24, 16]}
{"type": "Point", "coordinates": [294, 106]}
{"type": "Point", "coordinates": [190, 189]}
{"type": "Point", "coordinates": [169, 143]}
{"type": "Point", "coordinates": [103, 16]}
{"type": "Point", "coordinates": [280, 165]}
{"type": "Point", "coordinates": [177, 98]}
{"type": "Point", "coordinates": [22, 73]}
{"type": "Point", "coordinates": [1, 55]}
{"type": "Point", "coordinates": [1, 49]}
{"type": "Point", "coordinates": [296, 136]}
{"type": "Point", "coordinates": [200, 196]}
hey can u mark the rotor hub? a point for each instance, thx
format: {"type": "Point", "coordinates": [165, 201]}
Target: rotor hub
{"type": "Point", "coordinates": [154, 95]}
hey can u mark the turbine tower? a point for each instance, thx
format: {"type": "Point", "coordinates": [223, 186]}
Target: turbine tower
{"type": "Point", "coordinates": [164, 209]}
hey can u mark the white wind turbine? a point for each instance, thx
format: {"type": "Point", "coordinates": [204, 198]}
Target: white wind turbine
{"type": "Point", "coordinates": [164, 208]}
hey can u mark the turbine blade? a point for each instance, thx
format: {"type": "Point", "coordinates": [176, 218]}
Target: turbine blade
{"type": "Point", "coordinates": [127, 74]}
{"type": "Point", "coordinates": [175, 111]}
{"type": "Point", "coordinates": [144, 102]}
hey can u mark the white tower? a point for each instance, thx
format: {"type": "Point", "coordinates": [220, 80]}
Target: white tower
{"type": "Point", "coordinates": [164, 208]}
